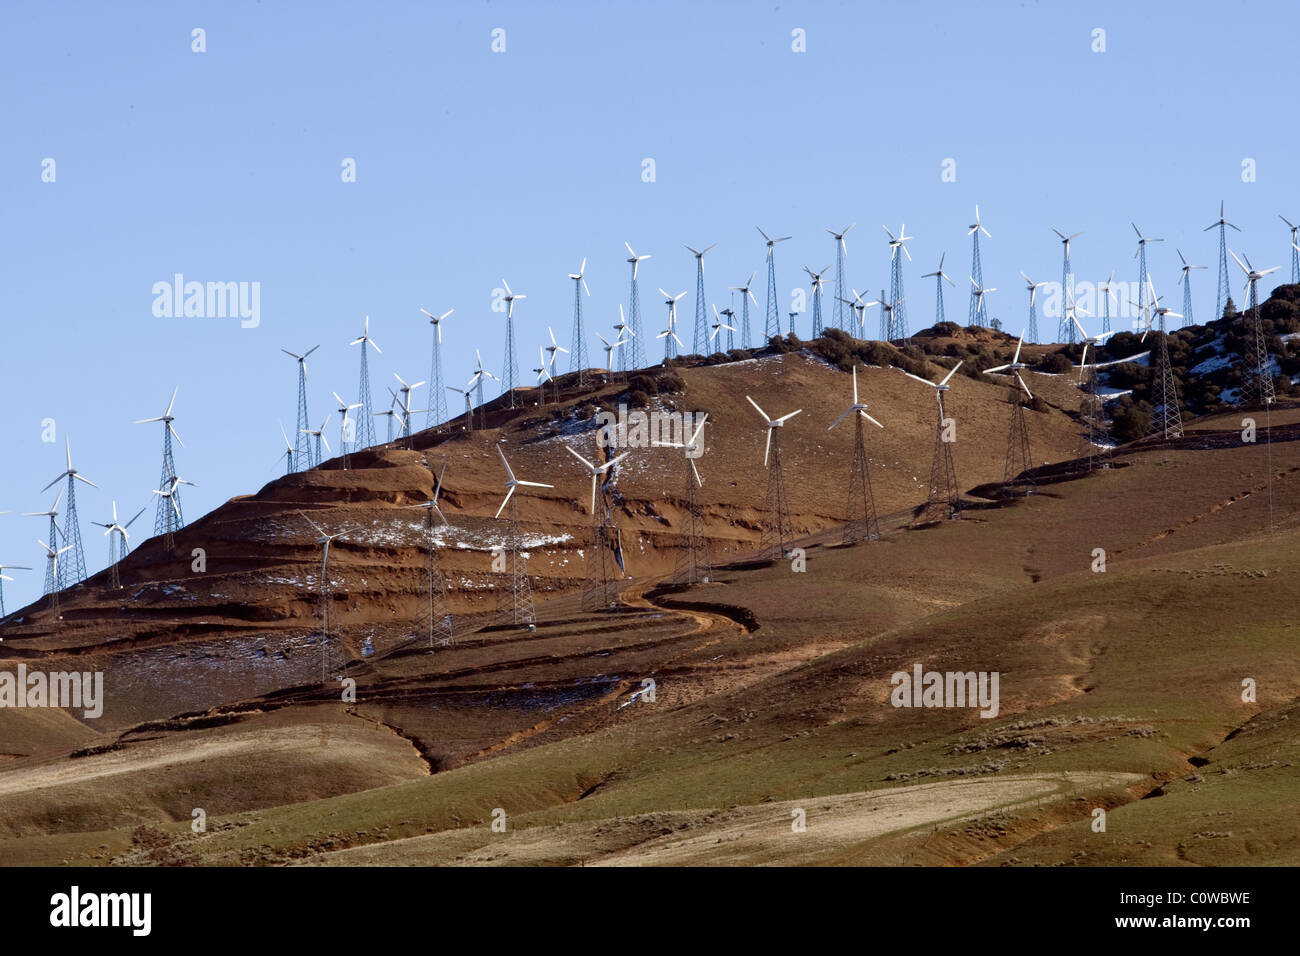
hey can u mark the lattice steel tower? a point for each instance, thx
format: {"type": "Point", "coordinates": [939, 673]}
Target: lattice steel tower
{"type": "Point", "coordinates": [897, 299]}
{"type": "Point", "coordinates": [772, 320]}
{"type": "Point", "coordinates": [1222, 224]}
{"type": "Point", "coordinates": [700, 337]}
{"type": "Point", "coordinates": [1065, 328]}
{"type": "Point", "coordinates": [978, 313]}
{"type": "Point", "coordinates": [365, 434]}
{"type": "Point", "coordinates": [578, 353]}
{"type": "Point", "coordinates": [841, 252]}
{"type": "Point", "coordinates": [637, 350]}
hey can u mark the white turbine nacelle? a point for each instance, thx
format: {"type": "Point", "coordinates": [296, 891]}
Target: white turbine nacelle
{"type": "Point", "coordinates": [771, 424]}
{"type": "Point", "coordinates": [857, 406]}
{"type": "Point", "coordinates": [692, 445]}
{"type": "Point", "coordinates": [939, 273]}
{"type": "Point", "coordinates": [1015, 365]}
{"type": "Point", "coordinates": [896, 242]}
{"type": "Point", "coordinates": [512, 482]}
{"type": "Point", "coordinates": [596, 470]}
{"type": "Point", "coordinates": [744, 290]}
{"type": "Point", "coordinates": [436, 320]}
{"type": "Point", "coordinates": [635, 259]}
{"type": "Point", "coordinates": [770, 241]}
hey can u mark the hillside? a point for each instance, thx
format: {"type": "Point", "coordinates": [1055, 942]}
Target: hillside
{"type": "Point", "coordinates": [772, 687]}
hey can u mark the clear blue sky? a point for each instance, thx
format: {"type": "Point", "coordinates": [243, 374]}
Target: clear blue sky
{"type": "Point", "coordinates": [473, 166]}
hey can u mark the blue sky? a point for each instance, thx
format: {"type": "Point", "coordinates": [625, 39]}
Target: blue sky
{"type": "Point", "coordinates": [474, 165]}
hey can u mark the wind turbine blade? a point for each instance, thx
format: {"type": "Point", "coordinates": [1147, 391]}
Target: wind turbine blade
{"type": "Point", "coordinates": [870, 419]}
{"type": "Point", "coordinates": [952, 373]}
{"type": "Point", "coordinates": [509, 473]}
{"type": "Point", "coordinates": [534, 484]}
{"type": "Point", "coordinates": [590, 466]}
{"type": "Point", "coordinates": [698, 480]}
{"type": "Point", "coordinates": [789, 416]}
{"type": "Point", "coordinates": [756, 408]}
{"type": "Point", "coordinates": [767, 448]}
{"type": "Point", "coordinates": [699, 428]}
{"type": "Point", "coordinates": [840, 419]}
{"type": "Point", "coordinates": [509, 491]}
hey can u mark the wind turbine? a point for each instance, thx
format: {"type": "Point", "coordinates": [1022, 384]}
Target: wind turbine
{"type": "Point", "coordinates": [366, 435]}
{"type": "Point", "coordinates": [345, 433]}
{"type": "Point", "coordinates": [1258, 384]}
{"type": "Point", "coordinates": [701, 317]}
{"type": "Point", "coordinates": [939, 276]}
{"type": "Point", "coordinates": [1168, 419]}
{"type": "Point", "coordinates": [289, 451]}
{"type": "Point", "coordinates": [302, 393]}
{"type": "Point", "coordinates": [1108, 292]}
{"type": "Point", "coordinates": [841, 253]}
{"type": "Point", "coordinates": [52, 572]}
{"type": "Point", "coordinates": [469, 409]}
{"type": "Point", "coordinates": [595, 471]}
{"type": "Point", "coordinates": [71, 522]}
{"type": "Point", "coordinates": [390, 413]}
{"type": "Point", "coordinates": [746, 296]}
{"type": "Point", "coordinates": [1295, 249]}
{"type": "Point", "coordinates": [169, 516]}
{"type": "Point", "coordinates": [1018, 461]}
{"type": "Point", "coordinates": [521, 595]}
{"type": "Point", "coordinates": [609, 351]}
{"type": "Point", "coordinates": [978, 316]}
{"type": "Point", "coordinates": [4, 577]}
{"type": "Point", "coordinates": [777, 527]}
{"type": "Point", "coordinates": [691, 445]}
{"type": "Point", "coordinates": [512, 482]}
{"type": "Point", "coordinates": [406, 403]}
{"type": "Point", "coordinates": [624, 331]}
{"type": "Point", "coordinates": [326, 588]}
{"type": "Point", "coordinates": [693, 564]}
{"type": "Point", "coordinates": [1141, 256]}
{"type": "Point", "coordinates": [669, 335]}
{"type": "Point", "coordinates": [1065, 330]}
{"type": "Point", "coordinates": [117, 547]}
{"type": "Point", "coordinates": [319, 435]}
{"type": "Point", "coordinates": [944, 499]}
{"type": "Point", "coordinates": [718, 325]}
{"type": "Point", "coordinates": [441, 631]}
{"type": "Point", "coordinates": [634, 315]}
{"type": "Point", "coordinates": [898, 312]}
{"type": "Point", "coordinates": [818, 329]}
{"type": "Point", "coordinates": [731, 331]}
{"type": "Point", "coordinates": [1032, 288]}
{"type": "Point", "coordinates": [510, 373]}
{"type": "Point", "coordinates": [476, 384]}
{"type": "Point", "coordinates": [1185, 280]}
{"type": "Point", "coordinates": [859, 310]}
{"type": "Point", "coordinates": [578, 356]}
{"type": "Point", "coordinates": [1221, 224]}
{"type": "Point", "coordinates": [1098, 438]}
{"type": "Point", "coordinates": [53, 579]}
{"type": "Point", "coordinates": [860, 520]}
{"type": "Point", "coordinates": [543, 376]}
{"type": "Point", "coordinates": [772, 321]}
{"type": "Point", "coordinates": [979, 294]}
{"type": "Point", "coordinates": [553, 348]}
{"type": "Point", "coordinates": [438, 407]}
